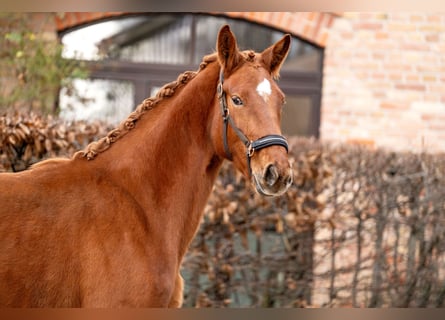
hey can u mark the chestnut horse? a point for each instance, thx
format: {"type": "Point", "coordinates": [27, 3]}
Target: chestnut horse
{"type": "Point", "coordinates": [110, 226]}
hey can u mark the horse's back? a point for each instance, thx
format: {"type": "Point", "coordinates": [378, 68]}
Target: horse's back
{"type": "Point", "coordinates": [33, 222]}
{"type": "Point", "coordinates": [35, 193]}
{"type": "Point", "coordinates": [67, 236]}
{"type": "Point", "coordinates": [53, 226]}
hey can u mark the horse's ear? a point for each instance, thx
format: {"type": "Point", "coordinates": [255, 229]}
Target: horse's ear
{"type": "Point", "coordinates": [275, 55]}
{"type": "Point", "coordinates": [228, 54]}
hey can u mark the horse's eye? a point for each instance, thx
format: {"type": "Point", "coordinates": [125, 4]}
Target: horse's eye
{"type": "Point", "coordinates": [237, 101]}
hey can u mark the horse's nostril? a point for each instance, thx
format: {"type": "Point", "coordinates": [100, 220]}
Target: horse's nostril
{"type": "Point", "coordinates": [271, 175]}
{"type": "Point", "coordinates": [288, 180]}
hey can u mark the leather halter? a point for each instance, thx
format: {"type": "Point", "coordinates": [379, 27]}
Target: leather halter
{"type": "Point", "coordinates": [251, 146]}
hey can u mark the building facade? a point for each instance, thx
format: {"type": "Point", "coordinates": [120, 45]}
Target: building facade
{"type": "Point", "coordinates": [380, 80]}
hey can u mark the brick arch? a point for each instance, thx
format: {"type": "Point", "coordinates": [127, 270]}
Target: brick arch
{"type": "Point", "coordinates": [310, 26]}
{"type": "Point", "coordinates": [68, 20]}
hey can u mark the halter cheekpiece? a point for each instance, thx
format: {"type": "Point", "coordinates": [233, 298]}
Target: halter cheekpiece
{"type": "Point", "coordinates": [251, 146]}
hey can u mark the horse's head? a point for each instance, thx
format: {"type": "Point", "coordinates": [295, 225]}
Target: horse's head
{"type": "Point", "coordinates": [250, 103]}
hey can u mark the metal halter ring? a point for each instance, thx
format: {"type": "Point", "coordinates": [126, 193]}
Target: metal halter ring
{"type": "Point", "coordinates": [250, 150]}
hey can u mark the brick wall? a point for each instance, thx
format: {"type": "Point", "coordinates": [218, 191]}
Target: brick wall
{"type": "Point", "coordinates": [384, 81]}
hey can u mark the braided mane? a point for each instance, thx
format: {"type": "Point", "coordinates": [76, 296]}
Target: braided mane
{"type": "Point", "coordinates": [168, 90]}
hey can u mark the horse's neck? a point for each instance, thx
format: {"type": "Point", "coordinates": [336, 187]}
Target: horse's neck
{"type": "Point", "coordinates": [167, 162]}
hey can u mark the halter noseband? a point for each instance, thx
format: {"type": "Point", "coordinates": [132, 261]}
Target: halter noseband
{"type": "Point", "coordinates": [251, 146]}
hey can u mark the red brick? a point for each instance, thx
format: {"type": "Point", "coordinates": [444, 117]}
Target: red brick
{"type": "Point", "coordinates": [437, 87]}
{"type": "Point", "coordinates": [380, 94]}
{"type": "Point", "coordinates": [264, 17]}
{"type": "Point", "coordinates": [362, 142]}
{"type": "Point", "coordinates": [276, 18]}
{"type": "Point", "coordinates": [378, 75]}
{"type": "Point", "coordinates": [399, 26]}
{"type": "Point", "coordinates": [427, 68]}
{"type": "Point", "coordinates": [434, 18]}
{"type": "Point", "coordinates": [415, 47]}
{"type": "Point", "coordinates": [79, 17]}
{"type": "Point", "coordinates": [428, 117]}
{"type": "Point", "coordinates": [431, 97]}
{"type": "Point", "coordinates": [344, 113]}
{"type": "Point", "coordinates": [412, 77]}
{"type": "Point", "coordinates": [366, 16]}
{"type": "Point", "coordinates": [67, 20]}
{"type": "Point", "coordinates": [307, 31]}
{"type": "Point", "coordinates": [96, 15]}
{"type": "Point", "coordinates": [430, 78]}
{"type": "Point", "coordinates": [251, 15]}
{"type": "Point", "coordinates": [434, 37]}
{"type": "Point", "coordinates": [347, 35]}
{"type": "Point", "coordinates": [365, 65]}
{"type": "Point", "coordinates": [381, 35]}
{"type": "Point", "coordinates": [415, 18]}
{"type": "Point", "coordinates": [316, 27]}
{"type": "Point", "coordinates": [322, 39]}
{"type": "Point", "coordinates": [432, 28]}
{"type": "Point", "coordinates": [396, 66]}
{"type": "Point", "coordinates": [399, 17]}
{"type": "Point", "coordinates": [330, 20]}
{"type": "Point", "coordinates": [437, 126]}
{"type": "Point", "coordinates": [60, 23]}
{"type": "Point", "coordinates": [415, 87]}
{"type": "Point", "coordinates": [378, 55]}
{"type": "Point", "coordinates": [368, 26]}
{"type": "Point", "coordinates": [311, 16]}
{"type": "Point", "coordinates": [394, 106]}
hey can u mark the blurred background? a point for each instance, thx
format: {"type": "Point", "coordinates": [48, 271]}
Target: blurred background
{"type": "Point", "coordinates": [365, 115]}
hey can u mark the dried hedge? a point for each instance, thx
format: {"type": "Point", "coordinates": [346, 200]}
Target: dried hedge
{"type": "Point", "coordinates": [29, 138]}
{"type": "Point", "coordinates": [358, 227]}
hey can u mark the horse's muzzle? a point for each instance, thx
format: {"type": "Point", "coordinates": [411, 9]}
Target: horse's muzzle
{"type": "Point", "coordinates": [274, 180]}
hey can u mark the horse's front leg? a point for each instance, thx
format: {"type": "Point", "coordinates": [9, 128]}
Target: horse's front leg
{"type": "Point", "coordinates": [178, 292]}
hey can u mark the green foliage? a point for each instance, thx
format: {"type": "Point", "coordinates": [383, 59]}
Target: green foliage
{"type": "Point", "coordinates": [32, 69]}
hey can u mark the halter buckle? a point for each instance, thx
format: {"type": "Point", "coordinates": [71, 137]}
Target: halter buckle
{"type": "Point", "coordinates": [219, 90]}
{"type": "Point", "coordinates": [250, 150]}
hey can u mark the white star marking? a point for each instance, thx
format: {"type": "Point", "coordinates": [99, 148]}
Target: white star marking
{"type": "Point", "coordinates": [264, 89]}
